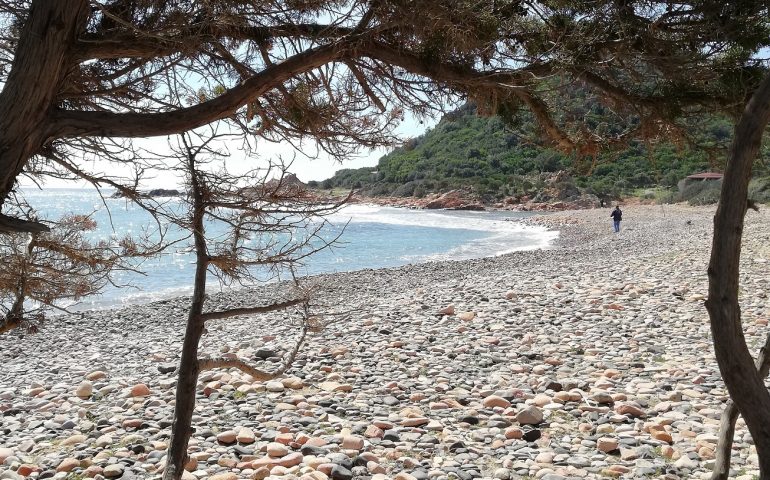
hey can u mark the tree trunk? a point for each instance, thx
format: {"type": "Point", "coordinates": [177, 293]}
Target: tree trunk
{"type": "Point", "coordinates": [730, 416]}
{"type": "Point", "coordinates": [41, 63]}
{"type": "Point", "coordinates": [187, 378]}
{"type": "Point", "coordinates": [746, 386]}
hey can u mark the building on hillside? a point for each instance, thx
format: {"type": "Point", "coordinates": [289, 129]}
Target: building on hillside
{"type": "Point", "coordinates": [699, 177]}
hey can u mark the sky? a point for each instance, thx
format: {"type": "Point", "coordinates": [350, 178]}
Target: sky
{"type": "Point", "coordinates": [310, 165]}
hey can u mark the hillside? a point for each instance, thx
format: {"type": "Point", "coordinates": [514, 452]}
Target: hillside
{"type": "Point", "coordinates": [492, 160]}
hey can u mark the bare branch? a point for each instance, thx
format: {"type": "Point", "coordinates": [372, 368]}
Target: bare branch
{"type": "Point", "coordinates": [236, 312]}
{"type": "Point", "coordinates": [259, 375]}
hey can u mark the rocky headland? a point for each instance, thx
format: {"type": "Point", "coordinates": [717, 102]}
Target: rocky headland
{"type": "Point", "coordinates": [591, 359]}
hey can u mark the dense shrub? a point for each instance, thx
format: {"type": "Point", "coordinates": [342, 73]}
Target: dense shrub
{"type": "Point", "coordinates": [701, 192]}
{"type": "Point", "coordinates": [759, 190]}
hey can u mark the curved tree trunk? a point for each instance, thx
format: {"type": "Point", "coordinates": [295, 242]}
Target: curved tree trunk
{"type": "Point", "coordinates": [730, 416]}
{"type": "Point", "coordinates": [42, 61]}
{"type": "Point", "coordinates": [746, 386]}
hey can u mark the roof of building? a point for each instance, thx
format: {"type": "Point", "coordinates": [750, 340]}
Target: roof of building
{"type": "Point", "coordinates": [705, 176]}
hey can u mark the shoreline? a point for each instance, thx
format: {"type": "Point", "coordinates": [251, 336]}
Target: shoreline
{"type": "Point", "coordinates": [603, 339]}
{"type": "Point", "coordinates": [545, 239]}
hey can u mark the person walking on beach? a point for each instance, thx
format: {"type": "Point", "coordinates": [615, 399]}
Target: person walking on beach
{"type": "Point", "coordinates": [617, 216]}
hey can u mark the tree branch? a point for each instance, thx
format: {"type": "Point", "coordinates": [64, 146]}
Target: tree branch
{"type": "Point", "coordinates": [365, 85]}
{"type": "Point", "coordinates": [259, 375]}
{"type": "Point", "coordinates": [68, 123]}
{"type": "Point", "coordinates": [235, 312]}
{"type": "Point", "coordinates": [17, 225]}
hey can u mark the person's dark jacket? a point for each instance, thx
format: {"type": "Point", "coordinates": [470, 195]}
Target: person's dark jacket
{"type": "Point", "coordinates": [617, 215]}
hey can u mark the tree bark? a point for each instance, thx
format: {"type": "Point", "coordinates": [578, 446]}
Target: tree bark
{"type": "Point", "coordinates": [187, 381]}
{"type": "Point", "coordinates": [40, 66]}
{"type": "Point", "coordinates": [746, 386]}
{"type": "Point", "coordinates": [730, 416]}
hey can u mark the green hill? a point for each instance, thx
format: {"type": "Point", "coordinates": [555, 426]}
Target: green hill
{"type": "Point", "coordinates": [487, 156]}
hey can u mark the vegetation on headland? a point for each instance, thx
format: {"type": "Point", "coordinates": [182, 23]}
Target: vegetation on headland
{"type": "Point", "coordinates": [493, 160]}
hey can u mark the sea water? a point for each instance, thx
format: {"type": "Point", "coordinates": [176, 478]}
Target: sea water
{"type": "Point", "coordinates": [369, 237]}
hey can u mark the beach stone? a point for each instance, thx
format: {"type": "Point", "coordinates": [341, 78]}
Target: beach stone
{"type": "Point", "coordinates": [529, 416]}
{"type": "Point", "coordinates": [495, 401]}
{"type": "Point", "coordinates": [466, 316]}
{"type": "Point", "coordinates": [335, 387]}
{"type": "Point", "coordinates": [275, 386]}
{"type": "Point", "coordinates": [227, 437]}
{"type": "Point", "coordinates": [532, 435]}
{"type": "Point", "coordinates": [96, 375]}
{"type": "Point", "coordinates": [448, 310]}
{"type": "Point", "coordinates": [630, 410]}
{"type": "Point", "coordinates": [352, 442]}
{"type": "Point", "coordinates": [74, 440]}
{"type": "Point", "coordinates": [294, 383]}
{"type": "Point", "coordinates": [68, 464]}
{"type": "Point", "coordinates": [140, 390]}
{"type": "Point", "coordinates": [404, 476]}
{"type": "Point", "coordinates": [25, 469]}
{"type": "Point", "coordinates": [607, 444]}
{"type": "Point", "coordinates": [338, 472]}
{"type": "Point", "coordinates": [5, 453]}
{"type": "Point", "coordinates": [686, 462]}
{"type": "Point", "coordinates": [85, 389]}
{"type": "Point", "coordinates": [224, 476]}
{"type": "Point", "coordinates": [414, 422]}
{"type": "Point", "coordinates": [246, 436]}
{"type": "Point", "coordinates": [277, 450]}
{"type": "Point", "coordinates": [261, 473]}
{"type": "Point", "coordinates": [628, 454]}
{"type": "Point", "coordinates": [113, 471]}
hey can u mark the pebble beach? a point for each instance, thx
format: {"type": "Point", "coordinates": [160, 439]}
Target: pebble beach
{"type": "Point", "coordinates": [589, 359]}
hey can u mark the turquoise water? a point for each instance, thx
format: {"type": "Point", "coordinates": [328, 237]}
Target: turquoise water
{"type": "Point", "coordinates": [373, 237]}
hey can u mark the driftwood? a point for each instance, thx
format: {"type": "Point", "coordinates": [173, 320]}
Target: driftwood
{"type": "Point", "coordinates": [730, 416]}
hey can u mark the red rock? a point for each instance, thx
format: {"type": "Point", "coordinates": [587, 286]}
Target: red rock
{"type": "Point", "coordinates": [285, 438]}
{"type": "Point", "coordinates": [26, 469]}
{"type": "Point", "coordinates": [661, 435]}
{"type": "Point", "coordinates": [93, 471]}
{"type": "Point", "coordinates": [316, 442]}
{"type": "Point", "coordinates": [496, 401]}
{"type": "Point", "coordinates": [352, 442]}
{"type": "Point", "coordinates": [414, 422]}
{"type": "Point", "coordinates": [629, 409]}
{"type": "Point", "coordinates": [132, 423]}
{"type": "Point", "coordinates": [373, 432]}
{"type": "Point", "coordinates": [606, 444]}
{"type": "Point", "coordinates": [68, 464]}
{"type": "Point", "coordinates": [375, 468]}
{"type": "Point", "coordinates": [140, 390]}
{"type": "Point", "coordinates": [290, 460]}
